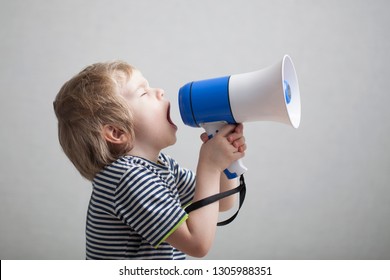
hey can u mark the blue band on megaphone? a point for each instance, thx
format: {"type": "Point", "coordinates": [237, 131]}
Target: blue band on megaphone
{"type": "Point", "coordinates": [185, 105]}
{"type": "Point", "coordinates": [206, 101]}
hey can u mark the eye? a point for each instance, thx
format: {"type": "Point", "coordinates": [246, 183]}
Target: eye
{"type": "Point", "coordinates": [145, 93]}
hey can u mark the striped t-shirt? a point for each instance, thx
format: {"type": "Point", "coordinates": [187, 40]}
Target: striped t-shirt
{"type": "Point", "coordinates": [135, 205]}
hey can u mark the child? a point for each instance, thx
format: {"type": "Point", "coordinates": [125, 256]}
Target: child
{"type": "Point", "coordinates": [112, 125]}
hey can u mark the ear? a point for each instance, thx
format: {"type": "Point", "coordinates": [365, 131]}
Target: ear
{"type": "Point", "coordinates": [114, 135]}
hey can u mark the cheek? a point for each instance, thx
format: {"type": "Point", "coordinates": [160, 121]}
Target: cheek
{"type": "Point", "coordinates": [145, 121]}
{"type": "Point", "coordinates": [148, 116]}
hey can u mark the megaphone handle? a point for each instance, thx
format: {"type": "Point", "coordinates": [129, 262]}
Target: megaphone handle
{"type": "Point", "coordinates": [237, 168]}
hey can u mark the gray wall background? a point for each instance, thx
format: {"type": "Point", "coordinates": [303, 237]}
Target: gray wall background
{"type": "Point", "coordinates": [319, 192]}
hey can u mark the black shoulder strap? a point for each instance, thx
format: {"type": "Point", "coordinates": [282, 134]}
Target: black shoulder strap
{"type": "Point", "coordinates": [211, 199]}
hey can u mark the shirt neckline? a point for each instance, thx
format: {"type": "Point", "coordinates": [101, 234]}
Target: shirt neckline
{"type": "Point", "coordinates": [161, 162]}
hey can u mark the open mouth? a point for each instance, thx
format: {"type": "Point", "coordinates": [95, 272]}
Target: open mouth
{"type": "Point", "coordinates": [169, 116]}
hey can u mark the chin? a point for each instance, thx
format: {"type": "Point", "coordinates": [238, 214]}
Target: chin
{"type": "Point", "coordinates": [173, 141]}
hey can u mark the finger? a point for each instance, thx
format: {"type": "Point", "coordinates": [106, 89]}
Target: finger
{"type": "Point", "coordinates": [238, 142]}
{"type": "Point", "coordinates": [239, 128]}
{"type": "Point", "coordinates": [237, 134]}
{"type": "Point", "coordinates": [242, 148]}
{"type": "Point", "coordinates": [226, 130]}
{"type": "Point", "coordinates": [204, 137]}
{"type": "Point", "coordinates": [234, 137]}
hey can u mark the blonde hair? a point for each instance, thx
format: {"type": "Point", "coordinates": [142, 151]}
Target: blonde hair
{"type": "Point", "coordinates": [86, 103]}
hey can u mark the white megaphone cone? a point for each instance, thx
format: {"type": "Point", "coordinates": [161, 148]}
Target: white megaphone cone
{"type": "Point", "coordinates": [269, 94]}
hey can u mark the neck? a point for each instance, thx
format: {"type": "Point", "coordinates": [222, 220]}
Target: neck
{"type": "Point", "coordinates": [146, 154]}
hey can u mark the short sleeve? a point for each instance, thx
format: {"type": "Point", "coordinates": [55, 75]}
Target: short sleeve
{"type": "Point", "coordinates": [184, 180]}
{"type": "Point", "coordinates": [145, 203]}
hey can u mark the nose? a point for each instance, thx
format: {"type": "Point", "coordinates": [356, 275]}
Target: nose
{"type": "Point", "coordinates": [160, 93]}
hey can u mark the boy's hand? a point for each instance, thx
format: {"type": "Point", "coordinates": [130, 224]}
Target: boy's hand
{"type": "Point", "coordinates": [227, 146]}
{"type": "Point", "coordinates": [236, 138]}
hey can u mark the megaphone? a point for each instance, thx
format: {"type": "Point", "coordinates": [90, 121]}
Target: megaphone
{"type": "Point", "coordinates": [269, 94]}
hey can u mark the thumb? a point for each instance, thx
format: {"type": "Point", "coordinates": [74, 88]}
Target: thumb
{"type": "Point", "coordinates": [204, 137]}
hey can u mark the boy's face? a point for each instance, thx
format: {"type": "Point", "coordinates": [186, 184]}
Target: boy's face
{"type": "Point", "coordinates": [154, 129]}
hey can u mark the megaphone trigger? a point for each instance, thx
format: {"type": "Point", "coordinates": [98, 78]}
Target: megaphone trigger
{"type": "Point", "coordinates": [212, 128]}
